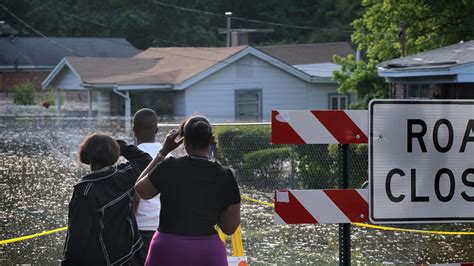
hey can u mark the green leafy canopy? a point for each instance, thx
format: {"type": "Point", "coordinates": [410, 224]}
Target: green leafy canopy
{"type": "Point", "coordinates": [390, 29]}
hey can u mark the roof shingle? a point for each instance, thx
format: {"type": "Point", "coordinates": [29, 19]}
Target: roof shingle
{"type": "Point", "coordinates": [312, 53]}
{"type": "Point", "coordinates": [182, 63]}
{"type": "Point", "coordinates": [37, 51]}
{"type": "Point", "coordinates": [171, 65]}
{"type": "Point", "coordinates": [456, 54]}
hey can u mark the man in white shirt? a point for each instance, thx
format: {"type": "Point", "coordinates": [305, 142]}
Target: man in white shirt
{"type": "Point", "coordinates": [147, 211]}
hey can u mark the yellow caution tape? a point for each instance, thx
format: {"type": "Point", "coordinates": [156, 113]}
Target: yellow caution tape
{"type": "Point", "coordinates": [386, 228]}
{"type": "Point", "coordinates": [237, 245]}
{"type": "Point", "coordinates": [22, 238]}
{"type": "Point", "coordinates": [221, 234]}
{"type": "Point", "coordinates": [268, 204]}
{"type": "Point", "coordinates": [411, 230]}
{"type": "Point", "coordinates": [235, 240]}
{"type": "Point", "coordinates": [258, 201]}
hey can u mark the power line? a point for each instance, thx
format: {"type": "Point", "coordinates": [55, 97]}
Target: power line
{"type": "Point", "coordinates": [289, 25]}
{"type": "Point", "coordinates": [250, 20]}
{"type": "Point", "coordinates": [110, 40]}
{"type": "Point", "coordinates": [159, 39]}
{"type": "Point", "coordinates": [39, 33]}
{"type": "Point", "coordinates": [77, 17]}
{"type": "Point", "coordinates": [189, 9]}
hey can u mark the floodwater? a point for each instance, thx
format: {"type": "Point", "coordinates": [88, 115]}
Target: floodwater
{"type": "Point", "coordinates": [38, 166]}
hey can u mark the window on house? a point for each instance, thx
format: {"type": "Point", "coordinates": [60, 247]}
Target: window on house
{"type": "Point", "coordinates": [248, 105]}
{"type": "Point", "coordinates": [419, 91]}
{"type": "Point", "coordinates": [338, 101]}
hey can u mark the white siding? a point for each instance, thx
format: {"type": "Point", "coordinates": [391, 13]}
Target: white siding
{"type": "Point", "coordinates": [214, 96]}
{"type": "Point", "coordinates": [67, 80]}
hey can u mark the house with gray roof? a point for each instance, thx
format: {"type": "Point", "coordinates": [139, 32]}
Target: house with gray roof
{"type": "Point", "coordinates": [315, 59]}
{"type": "Point", "coordinates": [445, 73]}
{"type": "Point", "coordinates": [308, 53]}
{"type": "Point", "coordinates": [33, 58]}
{"type": "Point", "coordinates": [239, 83]}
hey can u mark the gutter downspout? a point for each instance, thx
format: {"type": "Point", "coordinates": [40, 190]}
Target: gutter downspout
{"type": "Point", "coordinates": [128, 107]}
{"type": "Point", "coordinates": [89, 102]}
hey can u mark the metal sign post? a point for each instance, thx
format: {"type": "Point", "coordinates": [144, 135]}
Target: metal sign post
{"type": "Point", "coordinates": [322, 206]}
{"type": "Point", "coordinates": [420, 164]}
{"type": "Point", "coordinates": [344, 229]}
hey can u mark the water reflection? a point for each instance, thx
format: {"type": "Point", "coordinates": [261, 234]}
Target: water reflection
{"type": "Point", "coordinates": [38, 167]}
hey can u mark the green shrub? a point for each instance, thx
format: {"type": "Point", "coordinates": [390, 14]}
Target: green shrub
{"type": "Point", "coordinates": [235, 141]}
{"type": "Point", "coordinates": [266, 164]}
{"type": "Point", "coordinates": [24, 93]}
{"type": "Point", "coordinates": [358, 165]}
{"type": "Point", "coordinates": [320, 166]}
{"type": "Point", "coordinates": [317, 165]}
{"type": "Point", "coordinates": [48, 98]}
{"type": "Point", "coordinates": [249, 151]}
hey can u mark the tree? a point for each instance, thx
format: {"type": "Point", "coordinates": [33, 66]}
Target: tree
{"type": "Point", "coordinates": [359, 77]}
{"type": "Point", "coordinates": [143, 22]}
{"type": "Point", "coordinates": [148, 23]}
{"type": "Point", "coordinates": [330, 19]}
{"type": "Point", "coordinates": [390, 29]}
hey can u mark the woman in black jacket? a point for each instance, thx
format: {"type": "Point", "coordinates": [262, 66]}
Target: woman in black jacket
{"type": "Point", "coordinates": [101, 224]}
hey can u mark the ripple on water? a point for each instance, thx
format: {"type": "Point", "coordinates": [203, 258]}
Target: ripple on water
{"type": "Point", "coordinates": [38, 166]}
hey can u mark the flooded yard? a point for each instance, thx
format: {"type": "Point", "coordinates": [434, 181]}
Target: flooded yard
{"type": "Point", "coordinates": [39, 165]}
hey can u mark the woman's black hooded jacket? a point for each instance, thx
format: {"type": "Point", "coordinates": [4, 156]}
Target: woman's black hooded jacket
{"type": "Point", "coordinates": [102, 229]}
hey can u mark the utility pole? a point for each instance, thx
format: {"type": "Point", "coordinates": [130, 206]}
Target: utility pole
{"type": "Point", "coordinates": [403, 36]}
{"type": "Point", "coordinates": [228, 15]}
{"type": "Point", "coordinates": [237, 37]}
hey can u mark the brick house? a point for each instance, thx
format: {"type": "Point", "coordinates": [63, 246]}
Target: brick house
{"type": "Point", "coordinates": [25, 59]}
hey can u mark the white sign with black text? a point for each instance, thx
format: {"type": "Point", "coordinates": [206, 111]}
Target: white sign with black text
{"type": "Point", "coordinates": [421, 161]}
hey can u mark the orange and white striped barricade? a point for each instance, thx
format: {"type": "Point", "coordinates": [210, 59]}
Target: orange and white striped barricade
{"type": "Point", "coordinates": [319, 126]}
{"type": "Point", "coordinates": [322, 206]}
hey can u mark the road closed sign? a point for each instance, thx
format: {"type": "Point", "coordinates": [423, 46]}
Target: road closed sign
{"type": "Point", "coordinates": [421, 161]}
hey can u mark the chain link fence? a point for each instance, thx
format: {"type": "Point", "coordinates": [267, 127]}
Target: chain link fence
{"type": "Point", "coordinates": [262, 167]}
{"type": "Point", "coordinates": [38, 166]}
{"type": "Point", "coordinates": [259, 164]}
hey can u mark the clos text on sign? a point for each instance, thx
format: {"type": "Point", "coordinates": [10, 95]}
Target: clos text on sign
{"type": "Point", "coordinates": [421, 161]}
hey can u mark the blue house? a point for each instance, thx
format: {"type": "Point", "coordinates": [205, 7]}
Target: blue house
{"type": "Point", "coordinates": [444, 73]}
{"type": "Point", "coordinates": [239, 83]}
